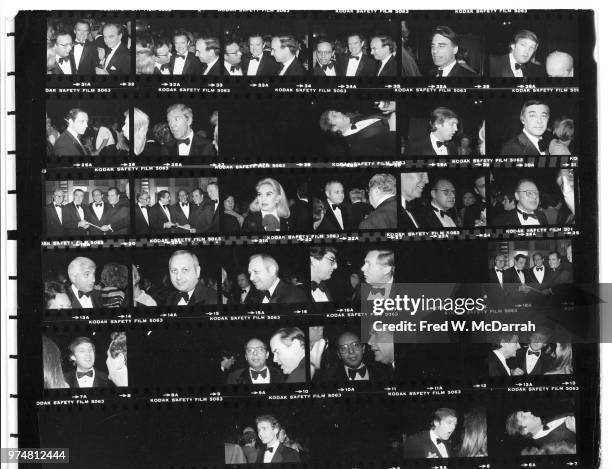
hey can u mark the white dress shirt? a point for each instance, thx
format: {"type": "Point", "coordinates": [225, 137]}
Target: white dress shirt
{"type": "Point", "coordinates": [359, 125]}
{"type": "Point", "coordinates": [185, 209]}
{"type": "Point", "coordinates": [447, 69]}
{"type": "Point", "coordinates": [145, 213]}
{"type": "Point", "coordinates": [286, 65]}
{"type": "Point", "coordinates": [182, 301]}
{"type": "Point", "coordinates": [244, 293]}
{"type": "Point", "coordinates": [531, 221]}
{"type": "Point", "coordinates": [535, 140]}
{"type": "Point", "coordinates": [98, 210]}
{"type": "Point", "coordinates": [353, 65]}
{"type": "Point", "coordinates": [440, 150]}
{"type": "Point", "coordinates": [531, 360]}
{"type": "Point", "coordinates": [357, 377]}
{"type": "Point", "coordinates": [500, 277]}
{"type": "Point", "coordinates": [271, 290]}
{"type": "Point", "coordinates": [518, 73]}
{"type": "Point", "coordinates": [64, 65]}
{"type": "Point", "coordinates": [78, 52]}
{"type": "Point", "coordinates": [210, 66]}
{"type": "Point", "coordinates": [58, 210]}
{"type": "Point", "coordinates": [228, 67]}
{"type": "Point", "coordinates": [383, 63]}
{"type": "Point", "coordinates": [337, 213]}
{"type": "Point", "coordinates": [179, 65]}
{"type": "Point", "coordinates": [183, 148]}
{"type": "Point", "coordinates": [387, 286]}
{"type": "Point", "coordinates": [87, 381]}
{"type": "Point", "coordinates": [111, 54]}
{"type": "Point", "coordinates": [447, 222]}
{"type": "Point", "coordinates": [319, 296]}
{"type": "Point", "coordinates": [260, 379]}
{"type": "Point", "coordinates": [441, 447]}
{"type": "Point", "coordinates": [539, 274]}
{"type": "Point", "coordinates": [268, 455]}
{"type": "Point", "coordinates": [254, 65]}
{"type": "Point", "coordinates": [409, 212]}
{"type": "Point", "coordinates": [85, 301]}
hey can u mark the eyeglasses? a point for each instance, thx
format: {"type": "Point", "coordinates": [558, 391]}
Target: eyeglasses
{"type": "Point", "coordinates": [255, 350]}
{"type": "Point", "coordinates": [531, 193]}
{"type": "Point", "coordinates": [349, 348]}
{"type": "Point", "coordinates": [331, 260]}
{"type": "Point", "coordinates": [324, 52]}
{"type": "Point", "coordinates": [446, 192]}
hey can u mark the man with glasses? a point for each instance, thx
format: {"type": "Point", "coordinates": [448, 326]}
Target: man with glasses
{"type": "Point", "coordinates": [258, 372]}
{"type": "Point", "coordinates": [527, 212]}
{"type": "Point", "coordinates": [440, 212]}
{"type": "Point", "coordinates": [62, 47]}
{"type": "Point", "coordinates": [323, 263]}
{"type": "Point", "coordinates": [336, 214]}
{"type": "Point", "coordinates": [232, 60]}
{"type": "Point", "coordinates": [325, 65]}
{"type": "Point", "coordinates": [162, 56]}
{"type": "Point", "coordinates": [530, 142]}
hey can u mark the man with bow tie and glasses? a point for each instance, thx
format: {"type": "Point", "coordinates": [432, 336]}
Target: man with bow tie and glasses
{"type": "Point", "coordinates": [264, 273]}
{"type": "Point", "coordinates": [273, 451]}
{"type": "Point", "coordinates": [357, 63]}
{"type": "Point", "coordinates": [184, 270]}
{"type": "Point", "coordinates": [69, 142]}
{"type": "Point", "coordinates": [325, 62]}
{"type": "Point", "coordinates": [186, 142]}
{"type": "Point", "coordinates": [83, 357]}
{"type": "Point", "coordinates": [530, 142]}
{"type": "Point", "coordinates": [527, 211]}
{"type": "Point", "coordinates": [62, 46]}
{"type": "Point", "coordinates": [161, 46]}
{"type": "Point", "coordinates": [84, 53]}
{"type": "Point", "coordinates": [259, 62]}
{"type": "Point", "coordinates": [378, 269]}
{"type": "Point", "coordinates": [518, 63]}
{"type": "Point", "coordinates": [258, 372]}
{"type": "Point", "coordinates": [232, 59]}
{"type": "Point", "coordinates": [182, 61]}
{"type": "Point", "coordinates": [440, 212]}
{"type": "Point", "coordinates": [443, 125]}
{"type": "Point", "coordinates": [323, 263]}
{"type": "Point", "coordinates": [533, 359]}
{"type": "Point", "coordinates": [82, 292]}
{"type": "Point", "coordinates": [207, 50]}
{"type": "Point", "coordinates": [433, 443]}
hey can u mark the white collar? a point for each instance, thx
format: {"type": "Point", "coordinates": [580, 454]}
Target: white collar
{"type": "Point", "coordinates": [73, 133]}
{"type": "Point", "coordinates": [533, 139]}
{"type": "Point", "coordinates": [446, 69]}
{"type": "Point", "coordinates": [384, 61]}
{"type": "Point", "coordinates": [512, 62]}
{"type": "Point", "coordinates": [273, 287]}
{"type": "Point", "coordinates": [552, 425]}
{"type": "Point", "coordinates": [274, 213]}
{"type": "Point", "coordinates": [502, 359]}
{"type": "Point", "coordinates": [383, 199]}
{"type": "Point", "coordinates": [286, 64]}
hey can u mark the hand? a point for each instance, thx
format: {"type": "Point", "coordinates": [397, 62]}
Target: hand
{"type": "Point", "coordinates": [227, 363]}
{"type": "Point", "coordinates": [105, 228]}
{"type": "Point", "coordinates": [517, 372]}
{"type": "Point", "coordinates": [168, 224]}
{"type": "Point", "coordinates": [431, 454]}
{"type": "Point", "coordinates": [117, 369]}
{"type": "Point", "coordinates": [186, 226]}
{"type": "Point", "coordinates": [101, 71]}
{"type": "Point", "coordinates": [83, 224]}
{"type": "Point", "coordinates": [192, 230]}
{"type": "Point", "coordinates": [570, 423]}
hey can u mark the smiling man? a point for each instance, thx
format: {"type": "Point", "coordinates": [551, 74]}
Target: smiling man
{"type": "Point", "coordinates": [527, 211]}
{"type": "Point", "coordinates": [273, 451]}
{"type": "Point", "coordinates": [518, 63]}
{"type": "Point", "coordinates": [259, 61]}
{"type": "Point", "coordinates": [186, 142]}
{"type": "Point", "coordinates": [357, 63]}
{"type": "Point", "coordinates": [444, 48]}
{"type": "Point", "coordinates": [443, 125]}
{"type": "Point", "coordinates": [182, 61]}
{"type": "Point", "coordinates": [83, 357]}
{"type": "Point", "coordinates": [534, 117]}
{"type": "Point", "coordinates": [433, 443]}
{"type": "Point", "coordinates": [336, 214]}
{"type": "Point", "coordinates": [323, 263]}
{"type": "Point", "coordinates": [82, 275]}
{"type": "Point", "coordinates": [84, 54]}
{"type": "Point", "coordinates": [184, 269]}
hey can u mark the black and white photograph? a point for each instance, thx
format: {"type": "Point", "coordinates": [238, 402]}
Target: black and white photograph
{"type": "Point", "coordinates": [524, 48]}
{"type": "Point", "coordinates": [89, 128]}
{"type": "Point", "coordinates": [534, 126]}
{"type": "Point", "coordinates": [305, 130]}
{"type": "Point", "coordinates": [178, 46]}
{"type": "Point", "coordinates": [263, 202]}
{"type": "Point", "coordinates": [182, 129]}
{"type": "Point", "coordinates": [176, 206]}
{"type": "Point", "coordinates": [86, 279]}
{"type": "Point", "coordinates": [349, 200]}
{"type": "Point", "coordinates": [355, 48]}
{"type": "Point", "coordinates": [83, 362]}
{"type": "Point", "coordinates": [89, 45]}
{"type": "Point", "coordinates": [85, 208]}
{"type": "Point", "coordinates": [533, 197]}
{"type": "Point", "coordinates": [255, 276]}
{"type": "Point", "coordinates": [439, 199]}
{"type": "Point", "coordinates": [443, 48]}
{"type": "Point", "coordinates": [449, 127]}
{"type": "Point", "coordinates": [266, 47]}
{"type": "Point", "coordinates": [176, 277]}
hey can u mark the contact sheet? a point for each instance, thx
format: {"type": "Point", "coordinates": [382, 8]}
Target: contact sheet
{"type": "Point", "coordinates": [326, 239]}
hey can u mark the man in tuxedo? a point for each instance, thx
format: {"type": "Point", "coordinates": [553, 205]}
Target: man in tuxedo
{"type": "Point", "coordinates": [263, 273]}
{"type": "Point", "coordinates": [300, 219]}
{"type": "Point", "coordinates": [476, 214]}
{"type": "Point", "coordinates": [186, 142]}
{"type": "Point", "coordinates": [324, 66]}
{"type": "Point", "coordinates": [74, 216]}
{"type": "Point", "coordinates": [383, 49]}
{"type": "Point", "coordinates": [495, 287]}
{"type": "Point", "coordinates": [518, 280]}
{"type": "Point", "coordinates": [336, 217]}
{"type": "Point", "coordinates": [161, 47]}
{"type": "Point", "coordinates": [183, 62]}
{"type": "Point", "coordinates": [142, 224]}
{"type": "Point", "coordinates": [323, 262]}
{"type": "Point", "coordinates": [184, 270]}
{"type": "Point", "coordinates": [284, 50]}
{"type": "Point", "coordinates": [212, 190]}
{"type": "Point", "coordinates": [356, 63]}
{"type": "Point", "coordinates": [444, 48]}
{"type": "Point", "coordinates": [96, 212]}
{"type": "Point", "coordinates": [527, 198]}
{"type": "Point", "coordinates": [378, 270]}
{"type": "Point", "coordinates": [519, 62]}
{"type": "Point", "coordinates": [202, 219]}
{"type": "Point", "coordinates": [440, 211]}
{"type": "Point", "coordinates": [248, 294]}
{"type": "Point", "coordinates": [232, 59]}
{"type": "Point", "coordinates": [182, 212]}
{"type": "Point", "coordinates": [82, 292]}
{"type": "Point", "coordinates": [273, 451]}
{"type": "Point", "coordinates": [503, 349]}
{"type": "Point", "coordinates": [383, 347]}
{"type": "Point", "coordinates": [412, 185]}
{"type": "Point", "coordinates": [258, 62]}
{"type": "Point", "coordinates": [84, 53]}
{"type": "Point", "coordinates": [382, 197]}
{"type": "Point", "coordinates": [443, 124]}
{"type": "Point", "coordinates": [83, 357]}
{"type": "Point", "coordinates": [559, 276]}
{"type": "Point", "coordinates": [258, 372]}
{"type": "Point", "coordinates": [433, 443]}
{"type": "Point", "coordinates": [207, 50]}
{"type": "Point", "coordinates": [118, 58]}
{"type": "Point", "coordinates": [559, 65]}
{"type": "Point", "coordinates": [69, 142]}
{"type": "Point", "coordinates": [160, 216]}
{"type": "Point", "coordinates": [561, 429]}
{"type": "Point", "coordinates": [532, 359]}
{"type": "Point", "coordinates": [116, 221]}
{"type": "Point", "coordinates": [539, 271]}
{"type": "Point", "coordinates": [53, 215]}
{"type": "Point", "coordinates": [288, 348]}
{"type": "Point", "coordinates": [359, 207]}
{"type": "Point", "coordinates": [534, 117]}
{"type": "Point", "coordinates": [62, 48]}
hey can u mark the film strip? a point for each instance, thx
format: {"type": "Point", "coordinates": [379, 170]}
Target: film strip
{"type": "Point", "coordinates": [229, 196]}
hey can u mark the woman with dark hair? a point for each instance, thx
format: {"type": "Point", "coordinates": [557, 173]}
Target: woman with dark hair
{"type": "Point", "coordinates": [114, 279]}
{"type": "Point", "coordinates": [56, 296]}
{"type": "Point", "coordinates": [355, 283]}
{"type": "Point", "coordinates": [232, 220]}
{"type": "Point", "coordinates": [116, 359]}
{"type": "Point", "coordinates": [474, 442]}
{"type": "Point", "coordinates": [53, 375]}
{"type": "Point", "coordinates": [562, 363]}
{"type": "Point", "coordinates": [270, 209]}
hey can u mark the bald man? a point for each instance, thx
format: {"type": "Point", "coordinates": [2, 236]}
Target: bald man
{"type": "Point", "coordinates": [53, 215]}
{"type": "Point", "coordinates": [559, 65]}
{"type": "Point", "coordinates": [263, 273]}
{"type": "Point", "coordinates": [184, 269]}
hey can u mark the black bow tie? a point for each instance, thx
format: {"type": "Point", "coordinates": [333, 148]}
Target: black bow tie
{"type": "Point", "coordinates": [542, 145]}
{"type": "Point", "coordinates": [442, 212]}
{"type": "Point", "coordinates": [204, 67]}
{"type": "Point", "coordinates": [328, 66]}
{"type": "Point", "coordinates": [80, 374]}
{"type": "Point", "coordinates": [318, 285]}
{"type": "Point", "coordinates": [518, 66]}
{"type": "Point", "coordinates": [256, 58]}
{"type": "Point", "coordinates": [263, 373]}
{"type": "Point", "coordinates": [376, 291]}
{"type": "Point", "coordinates": [82, 294]}
{"type": "Point", "coordinates": [78, 206]}
{"type": "Point", "coordinates": [243, 291]}
{"type": "Point", "coordinates": [144, 207]}
{"type": "Point", "coordinates": [270, 449]}
{"type": "Point", "coordinates": [438, 73]}
{"type": "Point", "coordinates": [235, 68]}
{"type": "Point", "coordinates": [58, 206]}
{"type": "Point", "coordinates": [79, 43]}
{"type": "Point", "coordinates": [99, 204]}
{"type": "Point", "coordinates": [498, 270]}
{"type": "Point", "coordinates": [179, 56]}
{"type": "Point", "coordinates": [539, 269]}
{"type": "Point", "coordinates": [440, 144]}
{"type": "Point", "coordinates": [185, 296]}
{"type": "Point", "coordinates": [267, 294]}
{"type": "Point", "coordinates": [353, 127]}
{"type": "Point", "coordinates": [526, 216]}
{"type": "Point", "coordinates": [335, 206]}
{"type": "Point", "coordinates": [530, 352]}
{"type": "Point", "coordinates": [356, 57]}
{"type": "Point", "coordinates": [186, 141]}
{"type": "Point", "coordinates": [62, 60]}
{"type": "Point", "coordinates": [353, 373]}
{"type": "Point", "coordinates": [184, 204]}
{"type": "Point", "coordinates": [545, 428]}
{"type": "Point", "coordinates": [439, 440]}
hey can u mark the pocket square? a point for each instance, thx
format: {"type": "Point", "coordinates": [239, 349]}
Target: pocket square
{"type": "Point", "coordinates": [113, 68]}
